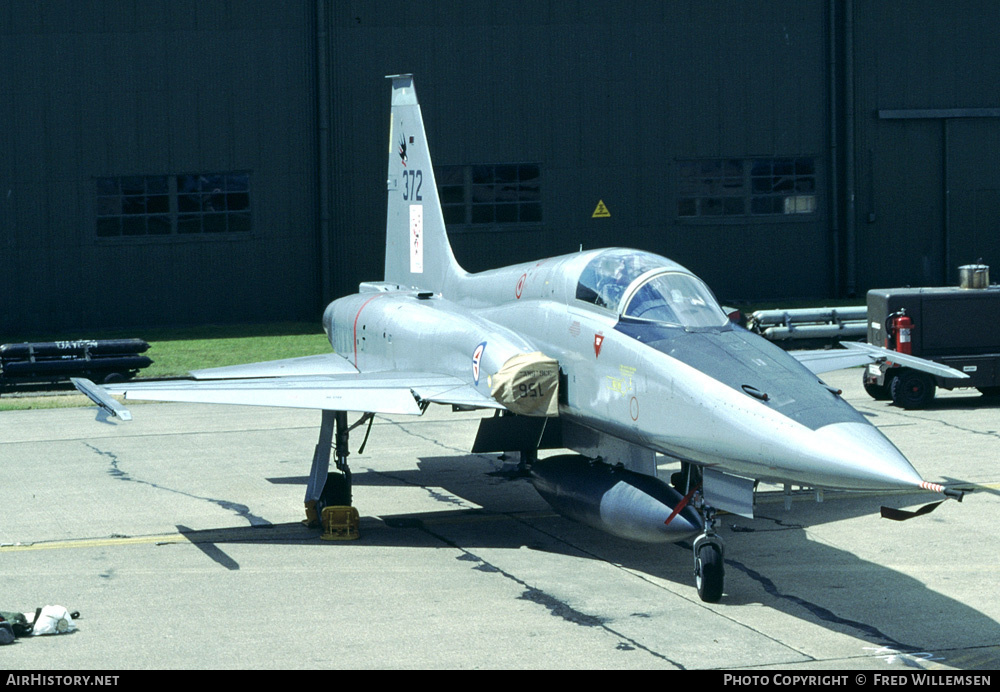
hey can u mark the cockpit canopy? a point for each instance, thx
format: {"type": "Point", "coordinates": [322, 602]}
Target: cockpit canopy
{"type": "Point", "coordinates": [645, 286]}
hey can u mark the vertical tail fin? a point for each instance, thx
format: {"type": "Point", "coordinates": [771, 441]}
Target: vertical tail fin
{"type": "Point", "coordinates": [417, 251]}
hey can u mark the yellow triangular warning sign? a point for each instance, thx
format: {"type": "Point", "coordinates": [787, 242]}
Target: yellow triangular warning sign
{"type": "Point", "coordinates": [601, 212]}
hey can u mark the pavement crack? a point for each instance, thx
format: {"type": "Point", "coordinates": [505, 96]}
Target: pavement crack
{"type": "Point", "coordinates": [818, 611]}
{"type": "Point", "coordinates": [433, 440]}
{"type": "Point", "coordinates": [555, 606]}
{"type": "Point", "coordinates": [781, 525]}
{"type": "Point", "coordinates": [960, 428]}
{"type": "Point", "coordinates": [116, 472]}
{"type": "Point", "coordinates": [910, 416]}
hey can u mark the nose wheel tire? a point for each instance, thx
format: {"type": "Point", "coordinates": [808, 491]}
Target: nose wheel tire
{"type": "Point", "coordinates": [709, 572]}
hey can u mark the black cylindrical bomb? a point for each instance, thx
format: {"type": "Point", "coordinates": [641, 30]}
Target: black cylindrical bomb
{"type": "Point", "coordinates": [59, 349]}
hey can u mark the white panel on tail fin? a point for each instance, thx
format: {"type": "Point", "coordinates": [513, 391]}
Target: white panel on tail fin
{"type": "Point", "coordinates": [416, 239]}
{"type": "Point", "coordinates": [417, 251]}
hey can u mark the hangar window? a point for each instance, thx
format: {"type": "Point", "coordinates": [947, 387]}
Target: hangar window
{"type": "Point", "coordinates": [710, 188]}
{"type": "Point", "coordinates": [783, 186]}
{"type": "Point", "coordinates": [164, 205]}
{"type": "Point", "coordinates": [483, 195]}
{"type": "Point", "coordinates": [213, 203]}
{"type": "Point", "coordinates": [133, 205]}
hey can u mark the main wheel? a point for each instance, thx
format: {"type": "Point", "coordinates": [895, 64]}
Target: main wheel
{"type": "Point", "coordinates": [709, 573]}
{"type": "Point", "coordinates": [336, 492]}
{"type": "Point", "coordinates": [912, 389]}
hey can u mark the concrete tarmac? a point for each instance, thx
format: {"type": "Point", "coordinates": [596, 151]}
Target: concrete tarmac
{"type": "Point", "coordinates": [178, 538]}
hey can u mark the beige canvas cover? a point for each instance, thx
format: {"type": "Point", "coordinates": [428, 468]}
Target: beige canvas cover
{"type": "Point", "coordinates": [528, 384]}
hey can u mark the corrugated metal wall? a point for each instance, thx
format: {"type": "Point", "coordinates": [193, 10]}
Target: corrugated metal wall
{"type": "Point", "coordinates": [610, 99]}
{"type": "Point", "coordinates": [928, 145]}
{"type": "Point", "coordinates": [92, 89]}
{"type": "Point", "coordinates": [607, 97]}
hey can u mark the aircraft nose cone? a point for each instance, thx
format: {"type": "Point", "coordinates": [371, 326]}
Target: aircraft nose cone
{"type": "Point", "coordinates": [865, 459]}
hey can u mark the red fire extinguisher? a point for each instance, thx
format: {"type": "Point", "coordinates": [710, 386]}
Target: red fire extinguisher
{"type": "Point", "coordinates": [900, 330]}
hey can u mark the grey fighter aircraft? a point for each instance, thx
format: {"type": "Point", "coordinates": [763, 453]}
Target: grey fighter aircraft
{"type": "Point", "coordinates": [618, 355]}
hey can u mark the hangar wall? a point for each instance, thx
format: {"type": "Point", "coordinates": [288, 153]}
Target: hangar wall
{"type": "Point", "coordinates": [928, 146]}
{"type": "Point", "coordinates": [110, 110]}
{"type": "Point", "coordinates": [612, 100]}
{"type": "Point", "coordinates": [184, 162]}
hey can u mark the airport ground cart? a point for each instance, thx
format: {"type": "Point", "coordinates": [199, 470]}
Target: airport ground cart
{"type": "Point", "coordinates": [955, 326]}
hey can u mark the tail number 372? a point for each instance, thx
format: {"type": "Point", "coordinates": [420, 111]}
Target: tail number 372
{"type": "Point", "coordinates": [412, 182]}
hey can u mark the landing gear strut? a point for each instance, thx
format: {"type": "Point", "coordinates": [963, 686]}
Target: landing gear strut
{"type": "Point", "coordinates": [709, 551]}
{"type": "Point", "coordinates": [527, 457]}
{"type": "Point", "coordinates": [326, 489]}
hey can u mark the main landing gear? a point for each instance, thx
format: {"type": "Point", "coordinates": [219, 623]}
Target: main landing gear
{"type": "Point", "coordinates": [328, 494]}
{"type": "Point", "coordinates": [709, 550]}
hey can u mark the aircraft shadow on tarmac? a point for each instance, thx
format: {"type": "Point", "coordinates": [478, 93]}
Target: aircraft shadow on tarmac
{"type": "Point", "coordinates": [769, 560]}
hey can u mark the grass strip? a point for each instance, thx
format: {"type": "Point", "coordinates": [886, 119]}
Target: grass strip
{"type": "Point", "coordinates": [175, 352]}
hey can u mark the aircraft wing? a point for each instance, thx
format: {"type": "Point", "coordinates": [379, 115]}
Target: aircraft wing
{"type": "Point", "coordinates": [857, 353]}
{"type": "Point", "coordinates": [382, 392]}
{"type": "Point", "coordinates": [322, 364]}
{"type": "Point", "coordinates": [834, 359]}
{"type": "Point", "coordinates": [876, 353]}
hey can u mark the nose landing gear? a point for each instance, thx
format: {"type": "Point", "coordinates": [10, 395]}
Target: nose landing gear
{"type": "Point", "coordinates": [709, 551]}
{"type": "Point", "coordinates": [709, 565]}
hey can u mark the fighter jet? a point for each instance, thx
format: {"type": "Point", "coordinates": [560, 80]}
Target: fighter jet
{"type": "Point", "coordinates": [617, 355]}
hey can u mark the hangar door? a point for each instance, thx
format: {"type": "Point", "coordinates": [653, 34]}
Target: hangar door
{"type": "Point", "coordinates": [901, 212]}
{"type": "Point", "coordinates": [960, 167]}
{"type": "Point", "coordinates": [973, 170]}
{"type": "Point", "coordinates": [954, 180]}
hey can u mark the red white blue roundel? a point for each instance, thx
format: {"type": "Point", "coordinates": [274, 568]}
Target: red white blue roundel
{"type": "Point", "coordinates": [477, 357]}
